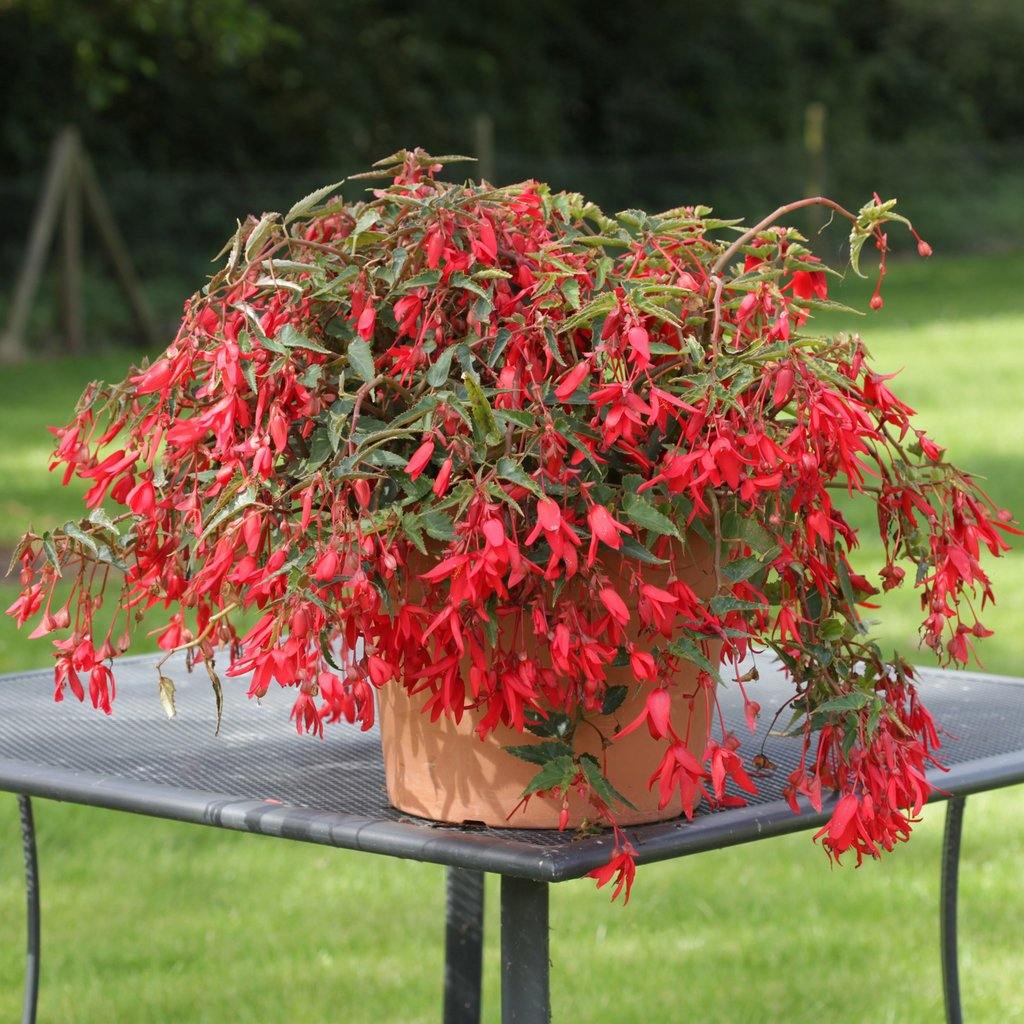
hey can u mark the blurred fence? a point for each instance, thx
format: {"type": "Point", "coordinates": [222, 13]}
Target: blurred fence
{"type": "Point", "coordinates": [961, 197]}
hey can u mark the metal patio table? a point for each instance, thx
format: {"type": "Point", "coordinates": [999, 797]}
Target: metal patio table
{"type": "Point", "coordinates": [257, 776]}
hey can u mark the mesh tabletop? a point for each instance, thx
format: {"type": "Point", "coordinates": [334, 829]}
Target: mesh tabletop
{"type": "Point", "coordinates": [258, 776]}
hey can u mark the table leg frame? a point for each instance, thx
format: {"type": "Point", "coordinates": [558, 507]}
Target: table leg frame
{"type": "Point", "coordinates": [948, 908]}
{"type": "Point", "coordinates": [464, 941]}
{"type": "Point", "coordinates": [525, 966]}
{"type": "Point", "coordinates": [28, 845]}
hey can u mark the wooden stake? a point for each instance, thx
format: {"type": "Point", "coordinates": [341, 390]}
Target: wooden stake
{"type": "Point", "coordinates": [70, 179]}
{"type": "Point", "coordinates": [72, 312]}
{"type": "Point", "coordinates": [12, 343]}
{"type": "Point", "coordinates": [120, 259]}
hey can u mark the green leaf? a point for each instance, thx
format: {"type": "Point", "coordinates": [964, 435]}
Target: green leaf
{"type": "Point", "coordinates": [688, 650]}
{"type": "Point", "coordinates": [613, 698]}
{"type": "Point", "coordinates": [360, 358]}
{"type": "Point", "coordinates": [832, 629]}
{"type": "Point", "coordinates": [437, 525]}
{"type": "Point", "coordinates": [632, 548]}
{"type": "Point", "coordinates": [365, 221]}
{"type": "Point", "coordinates": [520, 417]}
{"type": "Point", "coordinates": [73, 531]}
{"type": "Point", "coordinates": [307, 203]}
{"type": "Point", "coordinates": [426, 279]}
{"type": "Point", "coordinates": [483, 415]}
{"type": "Point", "coordinates": [411, 528]}
{"type": "Point", "coordinates": [600, 784]}
{"type": "Point", "coordinates": [291, 338]}
{"type": "Point", "coordinates": [243, 499]}
{"type": "Point", "coordinates": [509, 469]}
{"type": "Point", "coordinates": [747, 530]}
{"type": "Point", "coordinates": [320, 449]}
{"type": "Point", "coordinates": [540, 753]}
{"type": "Point", "coordinates": [644, 514]}
{"type": "Point", "coordinates": [742, 568]}
{"type": "Point", "coordinates": [441, 368]}
{"type": "Point", "coordinates": [335, 426]}
{"type": "Point", "coordinates": [259, 234]}
{"type": "Point", "coordinates": [460, 280]}
{"type": "Point", "coordinates": [725, 603]}
{"type": "Point", "coordinates": [847, 588]}
{"type": "Point", "coordinates": [845, 702]}
{"type": "Point", "coordinates": [555, 724]}
{"type": "Point", "coordinates": [556, 774]}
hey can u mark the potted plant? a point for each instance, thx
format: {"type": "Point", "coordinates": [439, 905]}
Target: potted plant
{"type": "Point", "coordinates": [538, 479]}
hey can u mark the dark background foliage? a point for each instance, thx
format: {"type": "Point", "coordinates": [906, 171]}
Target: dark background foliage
{"type": "Point", "coordinates": [199, 111]}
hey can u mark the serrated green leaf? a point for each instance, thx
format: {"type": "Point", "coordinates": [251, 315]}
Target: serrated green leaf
{"type": "Point", "coordinates": [747, 530]}
{"type": "Point", "coordinates": [259, 234]}
{"type": "Point", "coordinates": [600, 784]}
{"type": "Point", "coordinates": [483, 415]}
{"type": "Point", "coordinates": [365, 221]}
{"type": "Point", "coordinates": [441, 368]}
{"type": "Point", "coordinates": [307, 203]}
{"type": "Point", "coordinates": [460, 280]}
{"type": "Point", "coordinates": [425, 279]}
{"type": "Point", "coordinates": [73, 531]}
{"type": "Point", "coordinates": [556, 774]}
{"type": "Point", "coordinates": [360, 358]}
{"type": "Point", "coordinates": [725, 603]}
{"type": "Point", "coordinates": [688, 650]}
{"type": "Point", "coordinates": [509, 469]}
{"type": "Point", "coordinates": [613, 698]}
{"type": "Point", "coordinates": [644, 514]}
{"type": "Point", "coordinates": [632, 548]}
{"type": "Point", "coordinates": [243, 499]}
{"type": "Point", "coordinates": [437, 525]}
{"type": "Point", "coordinates": [540, 753]}
{"type": "Point", "coordinates": [742, 568]}
{"type": "Point", "coordinates": [411, 528]}
{"type": "Point", "coordinates": [291, 338]}
{"type": "Point", "coordinates": [853, 701]}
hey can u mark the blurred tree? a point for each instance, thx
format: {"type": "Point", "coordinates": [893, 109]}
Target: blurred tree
{"type": "Point", "coordinates": [229, 84]}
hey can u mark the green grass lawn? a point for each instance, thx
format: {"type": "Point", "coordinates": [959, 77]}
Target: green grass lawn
{"type": "Point", "coordinates": [148, 921]}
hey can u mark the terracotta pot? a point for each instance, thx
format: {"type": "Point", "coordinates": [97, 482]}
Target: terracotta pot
{"type": "Point", "coordinates": [443, 771]}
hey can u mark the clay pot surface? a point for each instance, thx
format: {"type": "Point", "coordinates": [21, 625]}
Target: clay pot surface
{"type": "Point", "coordinates": [443, 771]}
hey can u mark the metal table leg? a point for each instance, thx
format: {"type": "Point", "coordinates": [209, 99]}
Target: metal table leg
{"type": "Point", "coordinates": [28, 843]}
{"type": "Point", "coordinates": [463, 952]}
{"type": "Point", "coordinates": [525, 969]}
{"type": "Point", "coordinates": [947, 907]}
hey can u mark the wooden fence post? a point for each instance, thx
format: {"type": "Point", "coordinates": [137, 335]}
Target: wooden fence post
{"type": "Point", "coordinates": [815, 116]}
{"type": "Point", "coordinates": [483, 144]}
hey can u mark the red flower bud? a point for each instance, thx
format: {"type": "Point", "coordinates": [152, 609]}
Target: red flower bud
{"type": "Point", "coordinates": [419, 459]}
{"type": "Point", "coordinates": [572, 380]}
{"type": "Point", "coordinates": [440, 487]}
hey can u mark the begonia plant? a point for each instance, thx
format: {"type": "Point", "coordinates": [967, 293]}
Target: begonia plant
{"type": "Point", "coordinates": [488, 392]}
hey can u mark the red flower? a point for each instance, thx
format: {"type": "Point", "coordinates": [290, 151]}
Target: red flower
{"type": "Point", "coordinates": [621, 869]}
